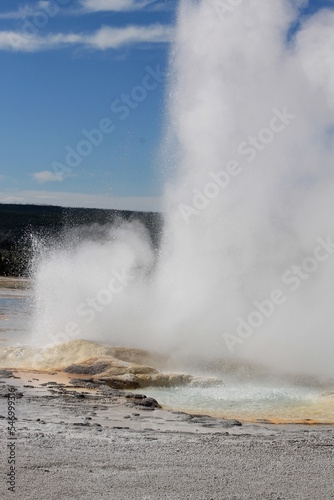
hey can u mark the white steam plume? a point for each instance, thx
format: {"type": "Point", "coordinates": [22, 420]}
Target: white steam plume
{"type": "Point", "coordinates": [251, 116]}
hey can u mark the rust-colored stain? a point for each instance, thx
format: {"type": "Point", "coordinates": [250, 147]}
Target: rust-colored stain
{"type": "Point", "coordinates": [282, 421]}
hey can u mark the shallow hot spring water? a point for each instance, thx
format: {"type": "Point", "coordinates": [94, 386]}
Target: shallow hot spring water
{"type": "Point", "coordinates": [255, 399]}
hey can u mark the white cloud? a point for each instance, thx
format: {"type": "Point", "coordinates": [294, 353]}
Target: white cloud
{"type": "Point", "coordinates": [12, 199]}
{"type": "Point", "coordinates": [85, 7]}
{"type": "Point", "coordinates": [315, 46]}
{"type": "Point", "coordinates": [67, 199]}
{"type": "Point", "coordinates": [46, 176]}
{"type": "Point", "coordinates": [20, 13]}
{"type": "Point", "coordinates": [104, 38]}
{"type": "Point", "coordinates": [19, 42]}
{"type": "Point", "coordinates": [114, 5]}
{"type": "Point", "coordinates": [30, 10]}
{"type": "Point", "coordinates": [113, 38]}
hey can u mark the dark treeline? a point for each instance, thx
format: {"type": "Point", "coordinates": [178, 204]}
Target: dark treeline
{"type": "Point", "coordinates": [18, 222]}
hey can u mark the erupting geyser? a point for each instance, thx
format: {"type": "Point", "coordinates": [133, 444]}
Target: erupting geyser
{"type": "Point", "coordinates": [246, 264]}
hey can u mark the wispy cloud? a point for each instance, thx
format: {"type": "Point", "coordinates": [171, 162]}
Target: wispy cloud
{"type": "Point", "coordinates": [46, 176]}
{"type": "Point", "coordinates": [102, 39]}
{"type": "Point", "coordinates": [84, 7]}
{"type": "Point", "coordinates": [113, 38]}
{"type": "Point", "coordinates": [20, 13]}
{"type": "Point", "coordinates": [17, 41]}
{"type": "Point", "coordinates": [114, 5]}
{"type": "Point", "coordinates": [29, 10]}
{"type": "Point", "coordinates": [11, 199]}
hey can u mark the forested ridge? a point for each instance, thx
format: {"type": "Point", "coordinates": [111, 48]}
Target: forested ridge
{"type": "Point", "coordinates": [19, 222]}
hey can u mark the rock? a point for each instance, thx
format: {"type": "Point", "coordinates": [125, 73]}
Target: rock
{"type": "Point", "coordinates": [137, 356]}
{"type": "Point", "coordinates": [84, 383]}
{"type": "Point", "coordinates": [328, 394]}
{"type": "Point", "coordinates": [127, 381]}
{"type": "Point", "coordinates": [144, 403]}
{"type": "Point", "coordinates": [142, 370]}
{"type": "Point", "coordinates": [87, 368]}
{"type": "Point", "coordinates": [130, 395]}
{"type": "Point", "coordinates": [5, 391]}
{"type": "Point", "coordinates": [115, 371]}
{"type": "Point", "coordinates": [207, 421]}
{"type": "Point", "coordinates": [6, 374]}
{"type": "Point", "coordinates": [148, 403]}
{"type": "Point", "coordinates": [108, 367]}
{"type": "Point", "coordinates": [105, 390]}
{"type": "Point", "coordinates": [164, 380]}
{"type": "Point", "coordinates": [61, 356]}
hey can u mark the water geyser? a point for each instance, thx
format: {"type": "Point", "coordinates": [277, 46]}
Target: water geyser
{"type": "Point", "coordinates": [245, 268]}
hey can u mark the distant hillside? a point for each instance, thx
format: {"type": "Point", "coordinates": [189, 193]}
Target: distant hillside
{"type": "Point", "coordinates": [17, 221]}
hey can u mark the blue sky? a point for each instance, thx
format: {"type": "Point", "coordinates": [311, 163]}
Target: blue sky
{"type": "Point", "coordinates": [66, 66]}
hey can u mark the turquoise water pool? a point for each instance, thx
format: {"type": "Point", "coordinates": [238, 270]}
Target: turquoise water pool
{"type": "Point", "coordinates": [250, 401]}
{"type": "Point", "coordinates": [15, 312]}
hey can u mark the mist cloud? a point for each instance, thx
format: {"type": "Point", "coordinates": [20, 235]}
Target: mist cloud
{"type": "Point", "coordinates": [228, 74]}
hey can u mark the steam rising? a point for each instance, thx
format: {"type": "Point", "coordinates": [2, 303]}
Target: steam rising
{"type": "Point", "coordinates": [232, 74]}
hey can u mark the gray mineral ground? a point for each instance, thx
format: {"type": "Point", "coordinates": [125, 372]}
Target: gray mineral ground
{"type": "Point", "coordinates": [93, 446]}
